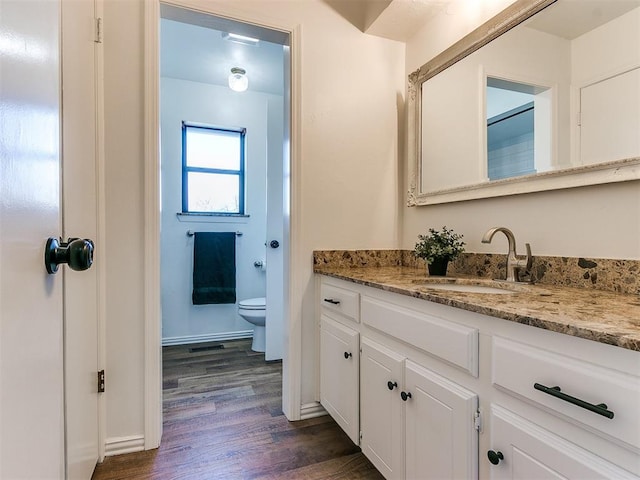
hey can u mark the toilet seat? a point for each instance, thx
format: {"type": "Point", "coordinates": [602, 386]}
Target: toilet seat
{"type": "Point", "coordinates": [253, 304]}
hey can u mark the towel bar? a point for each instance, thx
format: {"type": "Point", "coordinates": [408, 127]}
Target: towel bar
{"type": "Point", "coordinates": [191, 233]}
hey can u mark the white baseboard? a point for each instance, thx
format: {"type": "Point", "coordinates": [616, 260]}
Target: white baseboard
{"type": "Point", "coordinates": [120, 445]}
{"type": "Point", "coordinates": [210, 337]}
{"type": "Point", "coordinates": [311, 410]}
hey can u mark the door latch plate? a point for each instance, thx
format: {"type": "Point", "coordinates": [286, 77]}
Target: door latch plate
{"type": "Point", "coordinates": [101, 381]}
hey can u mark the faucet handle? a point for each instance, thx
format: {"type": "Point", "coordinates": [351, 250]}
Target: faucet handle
{"type": "Point", "coordinates": [529, 257]}
{"type": "Point", "coordinates": [527, 262]}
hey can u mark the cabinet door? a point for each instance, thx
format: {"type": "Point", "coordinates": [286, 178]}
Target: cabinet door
{"type": "Point", "coordinates": [441, 439]}
{"type": "Point", "coordinates": [381, 372]}
{"type": "Point", "coordinates": [339, 366]}
{"type": "Point", "coordinates": [530, 452]}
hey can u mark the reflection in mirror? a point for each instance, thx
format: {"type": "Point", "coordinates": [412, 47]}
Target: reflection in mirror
{"type": "Point", "coordinates": [552, 103]}
{"type": "Point", "coordinates": [518, 129]}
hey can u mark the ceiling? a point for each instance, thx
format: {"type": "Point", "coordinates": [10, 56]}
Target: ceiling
{"type": "Point", "coordinates": [571, 18]}
{"type": "Point", "coordinates": [192, 48]}
{"type": "Point", "coordinates": [394, 19]}
{"type": "Point", "coordinates": [402, 19]}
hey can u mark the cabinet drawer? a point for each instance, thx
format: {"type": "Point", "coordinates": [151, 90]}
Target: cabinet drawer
{"type": "Point", "coordinates": [517, 367]}
{"type": "Point", "coordinates": [340, 300]}
{"type": "Point", "coordinates": [530, 451]}
{"type": "Point", "coordinates": [455, 343]}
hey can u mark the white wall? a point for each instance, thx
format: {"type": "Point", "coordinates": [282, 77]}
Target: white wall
{"type": "Point", "coordinates": [598, 221]}
{"type": "Point", "coordinates": [605, 67]}
{"type": "Point", "coordinates": [352, 89]}
{"type": "Point", "coordinates": [559, 64]}
{"type": "Point", "coordinates": [452, 98]}
{"type": "Point", "coordinates": [610, 49]}
{"type": "Point", "coordinates": [183, 100]}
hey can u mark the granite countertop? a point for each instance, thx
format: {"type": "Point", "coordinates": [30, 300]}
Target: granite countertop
{"type": "Point", "coordinates": [601, 316]}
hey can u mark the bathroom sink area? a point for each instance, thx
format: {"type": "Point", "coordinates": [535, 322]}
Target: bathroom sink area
{"type": "Point", "coordinates": [470, 285]}
{"type": "Point", "coordinates": [461, 287]}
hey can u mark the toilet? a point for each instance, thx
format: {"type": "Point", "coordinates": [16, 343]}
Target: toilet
{"type": "Point", "coordinates": [254, 310]}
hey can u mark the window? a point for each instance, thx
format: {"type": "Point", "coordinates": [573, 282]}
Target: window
{"type": "Point", "coordinates": [212, 169]}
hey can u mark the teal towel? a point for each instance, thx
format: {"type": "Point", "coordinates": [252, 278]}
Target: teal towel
{"type": "Point", "coordinates": [214, 268]}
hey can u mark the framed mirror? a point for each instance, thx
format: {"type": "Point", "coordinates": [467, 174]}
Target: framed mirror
{"type": "Point", "coordinates": [544, 96]}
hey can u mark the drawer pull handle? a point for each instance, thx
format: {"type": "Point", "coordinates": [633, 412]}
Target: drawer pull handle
{"type": "Point", "coordinates": [600, 409]}
{"type": "Point", "coordinates": [332, 301]}
{"type": "Point", "coordinates": [347, 355]}
{"type": "Point", "coordinates": [391, 385]}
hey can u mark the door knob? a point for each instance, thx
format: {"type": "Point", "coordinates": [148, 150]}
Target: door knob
{"type": "Point", "coordinates": [405, 396]}
{"type": "Point", "coordinates": [75, 252]}
{"type": "Point", "coordinates": [495, 457]}
{"type": "Point", "coordinates": [274, 244]}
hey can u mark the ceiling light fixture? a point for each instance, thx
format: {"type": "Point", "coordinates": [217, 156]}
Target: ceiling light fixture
{"type": "Point", "coordinates": [238, 80]}
{"type": "Point", "coordinates": [243, 39]}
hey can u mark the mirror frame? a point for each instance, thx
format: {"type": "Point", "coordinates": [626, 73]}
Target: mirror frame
{"type": "Point", "coordinates": [513, 15]}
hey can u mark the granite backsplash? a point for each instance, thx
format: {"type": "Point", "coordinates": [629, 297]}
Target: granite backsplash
{"type": "Point", "coordinates": [622, 276]}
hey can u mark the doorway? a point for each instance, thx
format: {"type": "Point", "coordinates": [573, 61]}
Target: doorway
{"type": "Point", "coordinates": [197, 55]}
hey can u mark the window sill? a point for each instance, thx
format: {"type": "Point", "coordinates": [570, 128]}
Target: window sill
{"type": "Point", "coordinates": [212, 217]}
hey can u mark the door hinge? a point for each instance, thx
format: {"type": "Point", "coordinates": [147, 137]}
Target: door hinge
{"type": "Point", "coordinates": [101, 381]}
{"type": "Point", "coordinates": [579, 119]}
{"type": "Point", "coordinates": [360, 436]}
{"type": "Point", "coordinates": [98, 38]}
{"type": "Point", "coordinates": [477, 420]}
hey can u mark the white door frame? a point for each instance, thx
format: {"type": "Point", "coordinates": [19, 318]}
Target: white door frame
{"type": "Point", "coordinates": [71, 69]}
{"type": "Point", "coordinates": [292, 359]}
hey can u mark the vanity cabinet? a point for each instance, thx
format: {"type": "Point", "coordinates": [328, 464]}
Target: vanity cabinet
{"type": "Point", "coordinates": [601, 399]}
{"type": "Point", "coordinates": [521, 450]}
{"type": "Point", "coordinates": [413, 419]}
{"type": "Point", "coordinates": [441, 439]}
{"type": "Point", "coordinates": [578, 391]}
{"type": "Point", "coordinates": [448, 393]}
{"type": "Point", "coordinates": [381, 408]}
{"type": "Point", "coordinates": [339, 373]}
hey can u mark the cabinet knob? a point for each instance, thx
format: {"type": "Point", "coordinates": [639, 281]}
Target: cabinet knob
{"type": "Point", "coordinates": [405, 395]}
{"type": "Point", "coordinates": [495, 457]}
{"type": "Point", "coordinates": [347, 355]}
{"type": "Point", "coordinates": [391, 385]}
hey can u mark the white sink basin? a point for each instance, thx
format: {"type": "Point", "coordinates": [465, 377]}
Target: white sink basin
{"type": "Point", "coordinates": [472, 285]}
{"type": "Point", "coordinates": [462, 287]}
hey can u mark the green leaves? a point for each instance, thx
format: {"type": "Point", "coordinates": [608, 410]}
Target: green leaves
{"type": "Point", "coordinates": [439, 244]}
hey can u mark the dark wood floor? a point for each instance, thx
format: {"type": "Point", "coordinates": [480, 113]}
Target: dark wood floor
{"type": "Point", "coordinates": [223, 420]}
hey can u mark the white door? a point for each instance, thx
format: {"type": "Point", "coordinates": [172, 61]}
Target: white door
{"type": "Point", "coordinates": [442, 442]}
{"type": "Point", "coordinates": [610, 119]}
{"type": "Point", "coordinates": [277, 218]}
{"type": "Point", "coordinates": [275, 233]}
{"type": "Point", "coordinates": [381, 423]}
{"type": "Point", "coordinates": [339, 367]}
{"type": "Point", "coordinates": [79, 140]}
{"type": "Point", "coordinates": [31, 342]}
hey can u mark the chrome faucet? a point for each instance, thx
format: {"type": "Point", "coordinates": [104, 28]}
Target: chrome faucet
{"type": "Point", "coordinates": [514, 264]}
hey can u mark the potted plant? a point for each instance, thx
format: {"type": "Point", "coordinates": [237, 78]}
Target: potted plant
{"type": "Point", "coordinates": [438, 248]}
